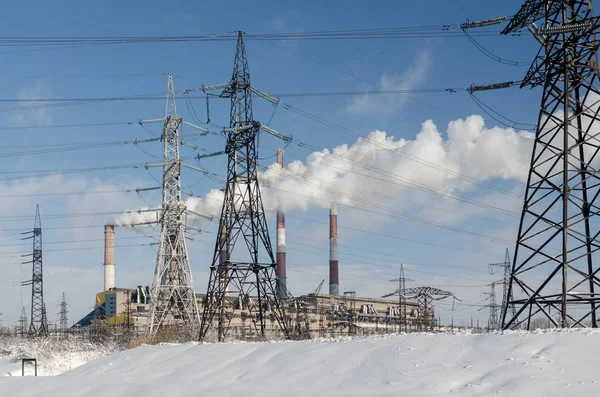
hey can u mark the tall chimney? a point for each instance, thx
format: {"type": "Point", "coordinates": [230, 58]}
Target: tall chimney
{"type": "Point", "coordinates": [281, 265]}
{"type": "Point", "coordinates": [334, 280]}
{"type": "Point", "coordinates": [109, 257]}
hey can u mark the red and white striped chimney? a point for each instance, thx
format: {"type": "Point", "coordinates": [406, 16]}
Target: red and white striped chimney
{"type": "Point", "coordinates": [280, 270]}
{"type": "Point", "coordinates": [334, 280]}
{"type": "Point", "coordinates": [109, 257]}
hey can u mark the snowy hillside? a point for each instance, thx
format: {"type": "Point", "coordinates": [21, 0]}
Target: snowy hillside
{"type": "Point", "coordinates": [538, 364]}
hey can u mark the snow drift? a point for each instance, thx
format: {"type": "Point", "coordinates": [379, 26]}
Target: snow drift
{"type": "Point", "coordinates": [517, 364]}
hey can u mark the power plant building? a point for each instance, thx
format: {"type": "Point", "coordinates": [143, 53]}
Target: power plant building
{"type": "Point", "coordinates": [311, 315]}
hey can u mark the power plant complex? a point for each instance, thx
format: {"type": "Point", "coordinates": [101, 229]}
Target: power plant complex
{"type": "Point", "coordinates": [247, 296]}
{"type": "Point", "coordinates": [311, 315]}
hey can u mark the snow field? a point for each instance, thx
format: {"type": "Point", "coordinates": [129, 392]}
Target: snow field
{"type": "Point", "coordinates": [516, 364]}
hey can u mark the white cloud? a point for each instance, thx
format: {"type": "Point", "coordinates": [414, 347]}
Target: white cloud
{"type": "Point", "coordinates": [38, 114]}
{"type": "Point", "coordinates": [387, 104]}
{"type": "Point", "coordinates": [276, 23]}
{"type": "Point", "coordinates": [379, 168]}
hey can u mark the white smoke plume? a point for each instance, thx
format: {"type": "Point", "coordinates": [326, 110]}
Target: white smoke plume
{"type": "Point", "coordinates": [138, 217]}
{"type": "Point", "coordinates": [340, 175]}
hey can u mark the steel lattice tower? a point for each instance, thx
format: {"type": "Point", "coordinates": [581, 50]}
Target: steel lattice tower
{"type": "Point", "coordinates": [553, 264]}
{"type": "Point", "coordinates": [39, 324]}
{"type": "Point", "coordinates": [242, 280]}
{"type": "Point", "coordinates": [402, 299]}
{"type": "Point", "coordinates": [425, 296]}
{"type": "Point", "coordinates": [63, 319]}
{"type": "Point", "coordinates": [493, 307]}
{"type": "Point", "coordinates": [23, 322]}
{"type": "Point", "coordinates": [506, 268]}
{"type": "Point", "coordinates": [173, 300]}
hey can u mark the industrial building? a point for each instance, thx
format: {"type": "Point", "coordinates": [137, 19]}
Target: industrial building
{"type": "Point", "coordinates": [307, 316]}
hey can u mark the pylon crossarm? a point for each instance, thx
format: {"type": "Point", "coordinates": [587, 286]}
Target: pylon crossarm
{"type": "Point", "coordinates": [271, 131]}
{"type": "Point", "coordinates": [191, 167]}
{"type": "Point", "coordinates": [195, 126]}
{"type": "Point", "coordinates": [199, 215]}
{"type": "Point", "coordinates": [214, 154]}
{"type": "Point", "coordinates": [151, 121]}
{"type": "Point", "coordinates": [148, 140]}
{"type": "Point", "coordinates": [213, 87]}
{"type": "Point", "coordinates": [265, 96]}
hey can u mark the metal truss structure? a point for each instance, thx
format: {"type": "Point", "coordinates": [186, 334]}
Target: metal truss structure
{"type": "Point", "coordinates": [63, 315]}
{"type": "Point", "coordinates": [38, 325]}
{"type": "Point", "coordinates": [172, 298]}
{"type": "Point", "coordinates": [553, 268]}
{"type": "Point", "coordinates": [239, 280]}
{"type": "Point", "coordinates": [22, 327]}
{"type": "Point", "coordinates": [403, 323]}
{"type": "Point", "coordinates": [425, 296]}
{"type": "Point", "coordinates": [506, 268]}
{"type": "Point", "coordinates": [493, 320]}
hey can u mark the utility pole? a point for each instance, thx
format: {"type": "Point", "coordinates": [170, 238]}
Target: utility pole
{"type": "Point", "coordinates": [506, 267]}
{"type": "Point", "coordinates": [401, 299]}
{"type": "Point", "coordinates": [246, 280]}
{"type": "Point", "coordinates": [172, 298]}
{"type": "Point", "coordinates": [63, 318]}
{"type": "Point", "coordinates": [39, 324]}
{"type": "Point", "coordinates": [553, 265]}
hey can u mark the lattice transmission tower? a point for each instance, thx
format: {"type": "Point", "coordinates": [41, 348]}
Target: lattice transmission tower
{"type": "Point", "coordinates": [63, 316]}
{"type": "Point", "coordinates": [425, 297]}
{"type": "Point", "coordinates": [38, 325]}
{"type": "Point", "coordinates": [240, 279]}
{"type": "Point", "coordinates": [172, 298]}
{"type": "Point", "coordinates": [22, 328]}
{"type": "Point", "coordinates": [402, 315]}
{"type": "Point", "coordinates": [493, 307]}
{"type": "Point", "coordinates": [506, 269]}
{"type": "Point", "coordinates": [553, 265]}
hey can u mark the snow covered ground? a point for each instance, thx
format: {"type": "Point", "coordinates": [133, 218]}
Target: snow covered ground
{"type": "Point", "coordinates": [54, 356]}
{"type": "Point", "coordinates": [516, 364]}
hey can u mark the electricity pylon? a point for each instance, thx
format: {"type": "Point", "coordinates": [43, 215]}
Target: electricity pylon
{"type": "Point", "coordinates": [425, 296]}
{"type": "Point", "coordinates": [402, 315]}
{"type": "Point", "coordinates": [63, 318]}
{"type": "Point", "coordinates": [39, 324]}
{"type": "Point", "coordinates": [506, 268]}
{"type": "Point", "coordinates": [493, 307]}
{"type": "Point", "coordinates": [23, 323]}
{"type": "Point", "coordinates": [172, 298]}
{"type": "Point", "coordinates": [553, 265]}
{"type": "Point", "coordinates": [239, 279]}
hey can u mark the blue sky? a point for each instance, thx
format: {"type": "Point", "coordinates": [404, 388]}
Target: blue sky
{"type": "Point", "coordinates": [457, 261]}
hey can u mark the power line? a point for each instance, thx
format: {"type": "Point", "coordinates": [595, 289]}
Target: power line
{"type": "Point", "coordinates": [355, 34]}
{"type": "Point", "coordinates": [399, 215]}
{"type": "Point", "coordinates": [339, 128]}
{"type": "Point", "coordinates": [79, 249]}
{"type": "Point", "coordinates": [88, 76]}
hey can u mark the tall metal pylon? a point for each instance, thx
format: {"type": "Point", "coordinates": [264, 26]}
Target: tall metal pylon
{"type": "Point", "coordinates": [22, 331]}
{"type": "Point", "coordinates": [63, 316]}
{"type": "Point", "coordinates": [242, 280]}
{"type": "Point", "coordinates": [506, 268]}
{"type": "Point", "coordinates": [553, 266]}
{"type": "Point", "coordinates": [493, 320]}
{"type": "Point", "coordinates": [39, 324]}
{"type": "Point", "coordinates": [172, 298]}
{"type": "Point", "coordinates": [402, 299]}
{"type": "Point", "coordinates": [425, 296]}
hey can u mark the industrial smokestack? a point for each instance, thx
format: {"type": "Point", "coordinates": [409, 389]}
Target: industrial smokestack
{"type": "Point", "coordinates": [334, 281]}
{"type": "Point", "coordinates": [281, 265]}
{"type": "Point", "coordinates": [109, 257]}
